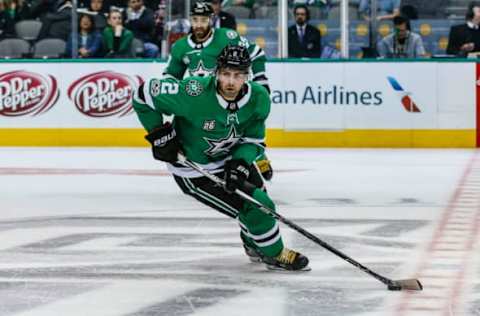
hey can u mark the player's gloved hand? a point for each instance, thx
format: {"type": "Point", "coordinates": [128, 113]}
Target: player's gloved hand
{"type": "Point", "coordinates": [165, 145]}
{"type": "Point", "coordinates": [236, 174]}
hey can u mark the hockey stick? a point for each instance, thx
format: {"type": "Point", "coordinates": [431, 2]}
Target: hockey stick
{"type": "Point", "coordinates": [393, 285]}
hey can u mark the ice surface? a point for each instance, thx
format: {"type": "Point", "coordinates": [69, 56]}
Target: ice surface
{"type": "Point", "coordinates": [103, 232]}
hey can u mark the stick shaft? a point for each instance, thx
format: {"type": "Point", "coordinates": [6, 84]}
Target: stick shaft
{"type": "Point", "coordinates": [289, 223]}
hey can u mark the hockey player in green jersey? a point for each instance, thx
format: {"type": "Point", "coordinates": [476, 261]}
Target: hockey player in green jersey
{"type": "Point", "coordinates": [196, 55]}
{"type": "Point", "coordinates": [219, 123]}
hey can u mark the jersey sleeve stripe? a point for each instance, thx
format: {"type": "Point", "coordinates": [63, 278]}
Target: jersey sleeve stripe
{"type": "Point", "coordinates": [259, 54]}
{"type": "Point", "coordinates": [148, 96]}
{"type": "Point", "coordinates": [256, 141]}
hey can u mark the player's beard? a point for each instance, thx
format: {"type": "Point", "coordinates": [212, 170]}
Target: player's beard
{"type": "Point", "coordinates": [228, 92]}
{"type": "Point", "coordinates": [201, 33]}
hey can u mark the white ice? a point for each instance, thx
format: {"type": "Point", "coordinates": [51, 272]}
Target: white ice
{"type": "Point", "coordinates": [103, 232]}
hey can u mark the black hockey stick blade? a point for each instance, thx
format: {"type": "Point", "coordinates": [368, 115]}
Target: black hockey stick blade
{"type": "Point", "coordinates": [409, 285]}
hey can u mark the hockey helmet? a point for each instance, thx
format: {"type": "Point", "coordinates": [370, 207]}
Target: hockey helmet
{"type": "Point", "coordinates": [201, 8]}
{"type": "Point", "coordinates": [235, 57]}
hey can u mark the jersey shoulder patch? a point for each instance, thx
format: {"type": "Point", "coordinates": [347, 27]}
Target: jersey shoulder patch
{"type": "Point", "coordinates": [194, 87]}
{"type": "Point", "coordinates": [228, 33]}
{"type": "Point", "coordinates": [231, 34]}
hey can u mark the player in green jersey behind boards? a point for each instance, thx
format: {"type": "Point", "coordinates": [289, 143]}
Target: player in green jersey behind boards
{"type": "Point", "coordinates": [196, 55]}
{"type": "Point", "coordinates": [219, 123]}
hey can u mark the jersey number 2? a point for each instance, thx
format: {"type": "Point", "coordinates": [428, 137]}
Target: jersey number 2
{"type": "Point", "coordinates": [169, 88]}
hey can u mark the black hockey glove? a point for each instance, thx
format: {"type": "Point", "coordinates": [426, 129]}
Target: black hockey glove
{"type": "Point", "coordinates": [236, 174]}
{"type": "Point", "coordinates": [165, 145]}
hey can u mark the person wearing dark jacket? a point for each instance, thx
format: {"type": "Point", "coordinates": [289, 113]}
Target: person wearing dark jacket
{"type": "Point", "coordinates": [304, 40]}
{"type": "Point", "coordinates": [465, 38]}
{"type": "Point", "coordinates": [221, 18]}
{"type": "Point", "coordinates": [141, 22]}
{"type": "Point", "coordinates": [89, 39]}
{"type": "Point", "coordinates": [59, 23]}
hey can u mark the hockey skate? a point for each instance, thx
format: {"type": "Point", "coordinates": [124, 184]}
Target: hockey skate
{"type": "Point", "coordinates": [287, 260]}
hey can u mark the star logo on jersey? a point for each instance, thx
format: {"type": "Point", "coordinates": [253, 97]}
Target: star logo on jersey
{"type": "Point", "coordinates": [223, 145]}
{"type": "Point", "coordinates": [201, 70]}
{"type": "Point", "coordinates": [194, 88]}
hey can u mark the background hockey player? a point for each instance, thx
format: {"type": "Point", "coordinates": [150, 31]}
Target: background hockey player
{"type": "Point", "coordinates": [196, 55]}
{"type": "Point", "coordinates": [219, 123]}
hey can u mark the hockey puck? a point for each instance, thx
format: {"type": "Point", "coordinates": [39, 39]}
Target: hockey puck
{"type": "Point", "coordinates": [394, 287]}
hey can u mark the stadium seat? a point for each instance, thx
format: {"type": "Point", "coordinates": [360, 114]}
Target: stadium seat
{"type": "Point", "coordinates": [137, 47]}
{"type": "Point", "coordinates": [49, 48]}
{"type": "Point", "coordinates": [14, 48]}
{"type": "Point", "coordinates": [28, 29]}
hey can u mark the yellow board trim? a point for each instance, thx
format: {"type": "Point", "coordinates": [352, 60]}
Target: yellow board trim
{"type": "Point", "coordinates": [128, 137]}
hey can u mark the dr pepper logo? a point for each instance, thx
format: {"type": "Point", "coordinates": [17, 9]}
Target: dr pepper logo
{"type": "Point", "coordinates": [23, 92]}
{"type": "Point", "coordinates": [104, 93]}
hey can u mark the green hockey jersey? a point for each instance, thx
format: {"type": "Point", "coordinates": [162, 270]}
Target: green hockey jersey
{"type": "Point", "coordinates": [210, 129]}
{"type": "Point", "coordinates": [190, 59]}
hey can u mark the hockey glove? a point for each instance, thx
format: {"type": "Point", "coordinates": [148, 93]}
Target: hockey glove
{"type": "Point", "coordinates": [236, 174]}
{"type": "Point", "coordinates": [165, 145]}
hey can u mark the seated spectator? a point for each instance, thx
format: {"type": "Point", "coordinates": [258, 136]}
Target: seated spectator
{"type": "Point", "coordinates": [159, 17]}
{"type": "Point", "coordinates": [221, 18]}
{"type": "Point", "coordinates": [100, 18]}
{"type": "Point", "coordinates": [402, 43]}
{"type": "Point", "coordinates": [465, 38]}
{"type": "Point", "coordinates": [6, 22]}
{"type": "Point", "coordinates": [386, 10]}
{"type": "Point", "coordinates": [117, 40]}
{"type": "Point", "coordinates": [59, 23]}
{"type": "Point", "coordinates": [304, 40]}
{"type": "Point", "coordinates": [18, 9]}
{"type": "Point", "coordinates": [89, 39]}
{"type": "Point", "coordinates": [141, 22]}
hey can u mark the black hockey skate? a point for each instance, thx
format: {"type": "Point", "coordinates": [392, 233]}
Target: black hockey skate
{"type": "Point", "coordinates": [287, 260]}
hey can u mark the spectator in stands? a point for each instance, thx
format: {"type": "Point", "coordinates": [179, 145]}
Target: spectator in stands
{"type": "Point", "coordinates": [97, 6]}
{"type": "Point", "coordinates": [117, 40]}
{"type": "Point", "coordinates": [465, 38]}
{"type": "Point", "coordinates": [59, 23]}
{"type": "Point", "coordinates": [89, 39]}
{"type": "Point", "coordinates": [141, 22]}
{"type": "Point", "coordinates": [6, 22]}
{"type": "Point", "coordinates": [221, 18]}
{"type": "Point", "coordinates": [18, 9]}
{"type": "Point", "coordinates": [159, 17]}
{"type": "Point", "coordinates": [304, 40]}
{"type": "Point", "coordinates": [386, 10]}
{"type": "Point", "coordinates": [402, 43]}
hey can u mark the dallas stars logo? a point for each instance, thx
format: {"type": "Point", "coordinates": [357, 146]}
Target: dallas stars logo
{"type": "Point", "coordinates": [222, 145]}
{"type": "Point", "coordinates": [201, 70]}
{"type": "Point", "coordinates": [194, 88]}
